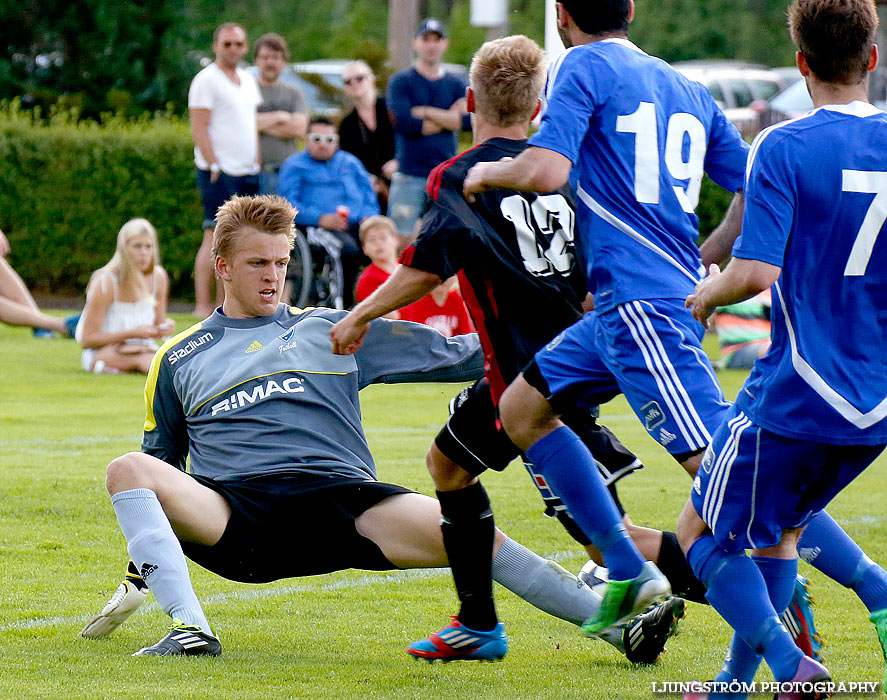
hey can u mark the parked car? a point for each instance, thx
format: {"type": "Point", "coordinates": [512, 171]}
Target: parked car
{"type": "Point", "coordinates": [320, 83]}
{"type": "Point", "coordinates": [735, 86]}
{"type": "Point", "coordinates": [792, 102]}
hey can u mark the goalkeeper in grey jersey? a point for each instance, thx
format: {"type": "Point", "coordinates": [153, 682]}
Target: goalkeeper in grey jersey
{"type": "Point", "coordinates": [271, 422]}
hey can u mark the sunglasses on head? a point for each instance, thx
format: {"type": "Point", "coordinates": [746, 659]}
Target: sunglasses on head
{"type": "Point", "coordinates": [356, 79]}
{"type": "Point", "coordinates": [229, 44]}
{"type": "Point", "coordinates": [323, 138]}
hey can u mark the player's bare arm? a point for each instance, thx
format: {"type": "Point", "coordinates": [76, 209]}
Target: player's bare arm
{"type": "Point", "coordinates": [405, 286]}
{"type": "Point", "coordinates": [534, 170]}
{"type": "Point", "coordinates": [740, 280]}
{"type": "Point", "coordinates": [716, 248]}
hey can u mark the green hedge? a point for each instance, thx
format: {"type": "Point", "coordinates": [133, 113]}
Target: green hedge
{"type": "Point", "coordinates": [66, 188]}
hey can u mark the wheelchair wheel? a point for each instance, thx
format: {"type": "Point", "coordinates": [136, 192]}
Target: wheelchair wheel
{"type": "Point", "coordinates": [299, 272]}
{"type": "Point", "coordinates": [328, 280]}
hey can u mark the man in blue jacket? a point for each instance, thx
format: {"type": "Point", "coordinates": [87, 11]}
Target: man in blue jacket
{"type": "Point", "coordinates": [332, 190]}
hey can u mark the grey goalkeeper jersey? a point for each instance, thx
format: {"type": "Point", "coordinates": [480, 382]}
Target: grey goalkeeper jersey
{"type": "Point", "coordinates": [266, 395]}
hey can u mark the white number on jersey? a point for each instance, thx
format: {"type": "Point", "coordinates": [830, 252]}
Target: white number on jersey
{"type": "Point", "coordinates": [868, 182]}
{"type": "Point", "coordinates": [642, 123]}
{"type": "Point", "coordinates": [552, 216]}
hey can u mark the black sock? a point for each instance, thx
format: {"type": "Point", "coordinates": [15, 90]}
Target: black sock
{"type": "Point", "coordinates": [468, 532]}
{"type": "Point", "coordinates": [675, 567]}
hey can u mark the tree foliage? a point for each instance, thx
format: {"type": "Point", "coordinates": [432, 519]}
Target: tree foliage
{"type": "Point", "coordinates": [128, 56]}
{"type": "Point", "coordinates": [747, 30]}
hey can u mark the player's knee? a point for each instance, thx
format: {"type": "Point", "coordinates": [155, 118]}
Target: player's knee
{"type": "Point", "coordinates": [690, 527]}
{"type": "Point", "coordinates": [445, 473]}
{"type": "Point", "coordinates": [125, 473]}
{"type": "Point", "coordinates": [512, 410]}
{"type": "Point", "coordinates": [526, 415]}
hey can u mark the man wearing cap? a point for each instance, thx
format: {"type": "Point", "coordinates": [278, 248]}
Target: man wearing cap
{"type": "Point", "coordinates": [427, 109]}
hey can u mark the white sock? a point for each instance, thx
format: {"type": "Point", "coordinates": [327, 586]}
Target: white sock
{"type": "Point", "coordinates": [548, 586]}
{"type": "Point", "coordinates": [157, 554]}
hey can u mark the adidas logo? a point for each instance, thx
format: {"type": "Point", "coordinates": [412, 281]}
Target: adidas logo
{"type": "Point", "coordinates": [147, 570]}
{"type": "Point", "coordinates": [255, 346]}
{"type": "Point", "coordinates": [189, 640]}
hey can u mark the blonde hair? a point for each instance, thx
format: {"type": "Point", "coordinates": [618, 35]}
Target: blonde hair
{"type": "Point", "coordinates": [373, 222]}
{"type": "Point", "coordinates": [507, 76]}
{"type": "Point", "coordinates": [266, 213]}
{"type": "Point", "coordinates": [130, 279]}
{"type": "Point", "coordinates": [358, 63]}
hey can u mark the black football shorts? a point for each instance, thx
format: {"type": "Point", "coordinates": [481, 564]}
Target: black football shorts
{"type": "Point", "coordinates": [290, 525]}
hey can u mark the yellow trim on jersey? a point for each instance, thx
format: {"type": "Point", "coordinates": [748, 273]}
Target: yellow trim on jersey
{"type": "Point", "coordinates": [151, 381]}
{"type": "Point", "coordinates": [262, 376]}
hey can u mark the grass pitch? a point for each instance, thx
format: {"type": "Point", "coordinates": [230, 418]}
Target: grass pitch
{"type": "Point", "coordinates": [337, 636]}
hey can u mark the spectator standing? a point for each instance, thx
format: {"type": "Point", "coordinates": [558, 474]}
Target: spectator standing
{"type": "Point", "coordinates": [125, 310]}
{"type": "Point", "coordinates": [332, 190]}
{"type": "Point", "coordinates": [222, 104]}
{"type": "Point", "coordinates": [428, 109]}
{"type": "Point", "coordinates": [283, 114]}
{"type": "Point", "coordinates": [366, 130]}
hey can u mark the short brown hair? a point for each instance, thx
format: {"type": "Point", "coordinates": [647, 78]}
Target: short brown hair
{"type": "Point", "coordinates": [227, 25]}
{"type": "Point", "coordinates": [507, 76]}
{"type": "Point", "coordinates": [275, 42]}
{"type": "Point", "coordinates": [266, 213]}
{"type": "Point", "coordinates": [835, 36]}
{"type": "Point", "coordinates": [373, 222]}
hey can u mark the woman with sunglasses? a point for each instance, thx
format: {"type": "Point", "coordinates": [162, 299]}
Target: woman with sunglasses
{"type": "Point", "coordinates": [366, 131]}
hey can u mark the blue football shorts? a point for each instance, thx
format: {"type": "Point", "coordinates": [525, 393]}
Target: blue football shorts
{"type": "Point", "coordinates": [753, 483]}
{"type": "Point", "coordinates": [650, 351]}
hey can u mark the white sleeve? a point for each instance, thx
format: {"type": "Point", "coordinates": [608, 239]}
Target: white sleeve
{"type": "Point", "coordinates": [201, 94]}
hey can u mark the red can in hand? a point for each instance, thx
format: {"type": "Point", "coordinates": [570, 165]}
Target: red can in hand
{"type": "Point", "coordinates": [343, 211]}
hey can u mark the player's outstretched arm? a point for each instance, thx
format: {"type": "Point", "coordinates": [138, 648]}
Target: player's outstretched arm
{"type": "Point", "coordinates": [405, 286]}
{"type": "Point", "coordinates": [740, 280]}
{"type": "Point", "coordinates": [534, 170]}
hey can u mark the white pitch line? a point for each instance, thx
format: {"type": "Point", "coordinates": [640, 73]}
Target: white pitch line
{"type": "Point", "coordinates": [263, 593]}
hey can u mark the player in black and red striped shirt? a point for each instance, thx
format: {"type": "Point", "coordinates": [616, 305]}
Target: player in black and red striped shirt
{"type": "Point", "coordinates": [523, 283]}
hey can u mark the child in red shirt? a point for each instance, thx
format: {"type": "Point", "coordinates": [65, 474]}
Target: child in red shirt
{"type": "Point", "coordinates": [443, 309]}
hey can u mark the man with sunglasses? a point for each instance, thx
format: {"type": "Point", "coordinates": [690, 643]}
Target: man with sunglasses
{"type": "Point", "coordinates": [332, 190]}
{"type": "Point", "coordinates": [222, 102]}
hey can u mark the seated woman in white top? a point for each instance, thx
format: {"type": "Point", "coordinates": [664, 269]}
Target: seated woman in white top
{"type": "Point", "coordinates": [125, 308]}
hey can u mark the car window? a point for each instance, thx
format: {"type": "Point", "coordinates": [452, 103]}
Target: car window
{"type": "Point", "coordinates": [717, 93]}
{"type": "Point", "coordinates": [765, 89]}
{"type": "Point", "coordinates": [741, 91]}
{"type": "Point", "coordinates": [794, 99]}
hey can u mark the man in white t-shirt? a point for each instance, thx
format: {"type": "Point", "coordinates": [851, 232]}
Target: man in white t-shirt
{"type": "Point", "coordinates": [222, 104]}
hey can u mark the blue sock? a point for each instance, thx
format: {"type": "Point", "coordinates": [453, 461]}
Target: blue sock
{"type": "Point", "coordinates": [825, 546]}
{"type": "Point", "coordinates": [742, 661]}
{"type": "Point", "coordinates": [741, 664]}
{"type": "Point", "coordinates": [736, 589]}
{"type": "Point", "coordinates": [566, 464]}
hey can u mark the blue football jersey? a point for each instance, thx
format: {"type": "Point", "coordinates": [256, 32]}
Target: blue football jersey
{"type": "Point", "coordinates": [641, 135]}
{"type": "Point", "coordinates": [816, 206]}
